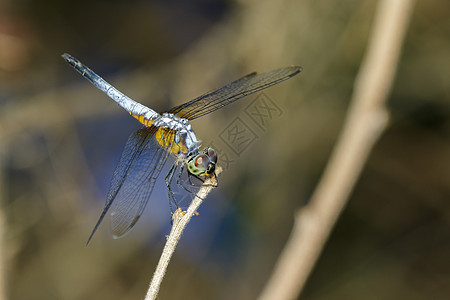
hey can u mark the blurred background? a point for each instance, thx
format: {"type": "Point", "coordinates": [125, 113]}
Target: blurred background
{"type": "Point", "coordinates": [61, 138]}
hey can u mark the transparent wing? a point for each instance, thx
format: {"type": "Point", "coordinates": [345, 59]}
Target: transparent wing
{"type": "Point", "coordinates": [233, 91]}
{"type": "Point", "coordinates": [134, 179]}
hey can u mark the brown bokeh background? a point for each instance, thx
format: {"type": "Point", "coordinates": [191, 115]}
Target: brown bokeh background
{"type": "Point", "coordinates": [60, 140]}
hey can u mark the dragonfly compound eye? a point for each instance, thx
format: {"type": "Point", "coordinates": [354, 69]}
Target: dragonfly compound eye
{"type": "Point", "coordinates": [201, 162]}
{"type": "Point", "coordinates": [212, 155]}
{"type": "Point", "coordinates": [198, 164]}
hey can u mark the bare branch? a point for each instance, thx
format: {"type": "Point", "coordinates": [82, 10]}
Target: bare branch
{"type": "Point", "coordinates": [365, 122]}
{"type": "Point", "coordinates": [180, 221]}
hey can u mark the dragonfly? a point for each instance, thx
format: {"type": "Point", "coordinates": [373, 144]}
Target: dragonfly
{"type": "Point", "coordinates": [165, 134]}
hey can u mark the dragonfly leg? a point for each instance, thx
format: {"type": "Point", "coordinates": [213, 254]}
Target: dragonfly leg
{"type": "Point", "coordinates": [190, 175]}
{"type": "Point", "coordinates": [216, 180]}
{"type": "Point", "coordinates": [170, 193]}
{"type": "Point", "coordinates": [180, 183]}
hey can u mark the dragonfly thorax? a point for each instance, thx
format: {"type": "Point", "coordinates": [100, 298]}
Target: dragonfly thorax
{"type": "Point", "coordinates": [177, 132]}
{"type": "Point", "coordinates": [187, 140]}
{"type": "Point", "coordinates": [171, 121]}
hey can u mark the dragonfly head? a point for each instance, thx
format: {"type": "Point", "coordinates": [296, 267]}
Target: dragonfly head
{"type": "Point", "coordinates": [203, 164]}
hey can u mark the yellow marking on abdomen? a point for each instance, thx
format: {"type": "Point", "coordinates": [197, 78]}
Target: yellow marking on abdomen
{"type": "Point", "coordinates": [141, 119]}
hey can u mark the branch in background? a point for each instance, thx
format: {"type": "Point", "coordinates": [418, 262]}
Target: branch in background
{"type": "Point", "coordinates": [3, 294]}
{"type": "Point", "coordinates": [180, 221]}
{"type": "Point", "coordinates": [366, 120]}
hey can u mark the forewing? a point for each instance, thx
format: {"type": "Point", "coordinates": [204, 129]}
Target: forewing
{"type": "Point", "coordinates": [233, 91]}
{"type": "Point", "coordinates": [133, 180]}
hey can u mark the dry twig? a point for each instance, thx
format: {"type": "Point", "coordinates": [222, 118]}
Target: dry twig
{"type": "Point", "coordinates": [180, 221]}
{"type": "Point", "coordinates": [366, 120]}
